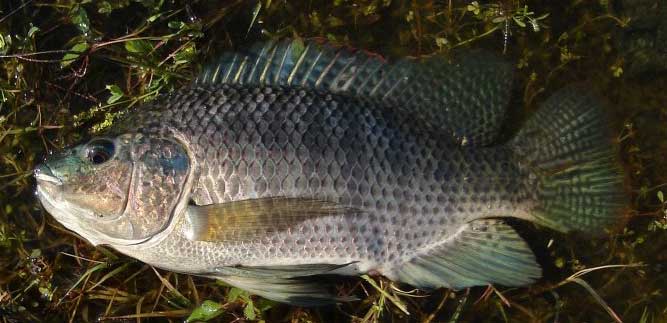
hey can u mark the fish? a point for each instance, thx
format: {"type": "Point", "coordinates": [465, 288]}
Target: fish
{"type": "Point", "coordinates": [292, 160]}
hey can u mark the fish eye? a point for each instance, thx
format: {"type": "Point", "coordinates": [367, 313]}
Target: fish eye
{"type": "Point", "coordinates": [99, 151]}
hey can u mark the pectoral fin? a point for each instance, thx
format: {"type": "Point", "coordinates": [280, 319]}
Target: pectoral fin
{"type": "Point", "coordinates": [248, 219]}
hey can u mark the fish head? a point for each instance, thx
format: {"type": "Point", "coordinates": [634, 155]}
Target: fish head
{"type": "Point", "coordinates": [116, 190]}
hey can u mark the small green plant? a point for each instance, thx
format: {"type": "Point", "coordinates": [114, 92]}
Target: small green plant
{"type": "Point", "coordinates": [502, 17]}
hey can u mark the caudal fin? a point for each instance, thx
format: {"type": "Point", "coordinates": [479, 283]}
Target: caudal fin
{"type": "Point", "coordinates": [574, 176]}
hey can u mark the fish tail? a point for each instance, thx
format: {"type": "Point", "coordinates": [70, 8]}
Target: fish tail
{"type": "Point", "coordinates": [573, 181]}
{"type": "Point", "coordinates": [573, 172]}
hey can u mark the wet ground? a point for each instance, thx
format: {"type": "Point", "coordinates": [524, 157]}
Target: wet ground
{"type": "Point", "coordinates": [69, 68]}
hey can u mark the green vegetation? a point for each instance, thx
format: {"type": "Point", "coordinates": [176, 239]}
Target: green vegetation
{"type": "Point", "coordinates": [69, 68]}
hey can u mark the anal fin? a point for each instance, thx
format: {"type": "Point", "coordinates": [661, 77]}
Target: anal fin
{"type": "Point", "coordinates": [486, 252]}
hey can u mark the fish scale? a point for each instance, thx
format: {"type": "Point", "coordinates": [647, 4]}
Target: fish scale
{"type": "Point", "coordinates": [409, 184]}
{"type": "Point", "coordinates": [295, 160]}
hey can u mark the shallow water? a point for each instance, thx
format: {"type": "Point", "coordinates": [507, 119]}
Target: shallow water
{"type": "Point", "coordinates": [48, 274]}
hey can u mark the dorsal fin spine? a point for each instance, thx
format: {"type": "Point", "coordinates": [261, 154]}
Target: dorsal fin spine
{"type": "Point", "coordinates": [326, 70]}
{"type": "Point", "coordinates": [204, 76]}
{"type": "Point", "coordinates": [215, 74]}
{"type": "Point", "coordinates": [237, 77]}
{"type": "Point", "coordinates": [342, 72]}
{"type": "Point", "coordinates": [262, 78]}
{"type": "Point", "coordinates": [297, 65]}
{"type": "Point", "coordinates": [282, 63]}
{"type": "Point", "coordinates": [311, 68]}
{"type": "Point", "coordinates": [347, 84]}
{"type": "Point", "coordinates": [368, 78]}
{"type": "Point", "coordinates": [231, 68]}
{"type": "Point", "coordinates": [395, 85]}
{"type": "Point", "coordinates": [375, 88]}
{"type": "Point", "coordinates": [256, 64]}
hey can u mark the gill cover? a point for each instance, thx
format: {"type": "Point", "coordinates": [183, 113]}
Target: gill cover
{"type": "Point", "coordinates": [119, 190]}
{"type": "Point", "coordinates": [161, 168]}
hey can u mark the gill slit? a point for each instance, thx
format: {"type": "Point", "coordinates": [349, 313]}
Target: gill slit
{"type": "Point", "coordinates": [130, 191]}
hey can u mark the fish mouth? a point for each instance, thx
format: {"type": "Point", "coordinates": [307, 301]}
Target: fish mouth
{"type": "Point", "coordinates": [43, 174]}
{"type": "Point", "coordinates": [49, 187]}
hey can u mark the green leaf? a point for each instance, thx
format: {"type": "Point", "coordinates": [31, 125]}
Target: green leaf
{"type": "Point", "coordinates": [79, 18]}
{"type": "Point", "coordinates": [519, 22]}
{"type": "Point", "coordinates": [264, 304]}
{"type": "Point", "coordinates": [74, 54]}
{"type": "Point", "coordinates": [176, 24]}
{"type": "Point", "coordinates": [544, 16]}
{"type": "Point", "coordinates": [208, 310]}
{"type": "Point", "coordinates": [298, 47]}
{"type": "Point", "coordinates": [249, 311]}
{"type": "Point", "coordinates": [474, 8]}
{"type": "Point", "coordinates": [560, 262]}
{"type": "Point", "coordinates": [334, 21]}
{"type": "Point", "coordinates": [104, 7]}
{"type": "Point", "coordinates": [32, 30]}
{"type": "Point", "coordinates": [410, 16]}
{"type": "Point", "coordinates": [4, 43]}
{"type": "Point", "coordinates": [235, 293]}
{"type": "Point", "coordinates": [35, 253]}
{"type": "Point", "coordinates": [661, 197]}
{"type": "Point", "coordinates": [139, 46]}
{"type": "Point", "coordinates": [154, 17]}
{"type": "Point", "coordinates": [441, 42]}
{"type": "Point", "coordinates": [116, 93]}
{"type": "Point", "coordinates": [498, 20]}
{"type": "Point", "coordinates": [369, 10]}
{"type": "Point", "coordinates": [185, 55]}
{"type": "Point", "coordinates": [153, 5]}
{"type": "Point", "coordinates": [616, 70]}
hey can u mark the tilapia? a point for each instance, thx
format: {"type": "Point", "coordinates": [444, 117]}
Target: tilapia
{"type": "Point", "coordinates": [290, 160]}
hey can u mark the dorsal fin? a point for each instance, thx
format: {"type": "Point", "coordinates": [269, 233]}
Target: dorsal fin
{"type": "Point", "coordinates": [464, 97]}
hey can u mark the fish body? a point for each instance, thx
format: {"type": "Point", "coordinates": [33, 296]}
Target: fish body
{"type": "Point", "coordinates": [404, 188]}
{"type": "Point", "coordinates": [293, 161]}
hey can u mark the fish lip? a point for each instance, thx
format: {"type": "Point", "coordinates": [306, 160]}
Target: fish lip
{"type": "Point", "coordinates": [43, 173]}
